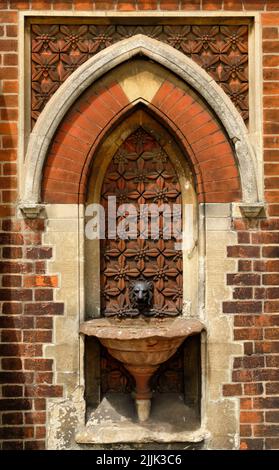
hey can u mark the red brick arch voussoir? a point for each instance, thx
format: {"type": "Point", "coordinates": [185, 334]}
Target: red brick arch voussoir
{"type": "Point", "coordinates": [204, 140]}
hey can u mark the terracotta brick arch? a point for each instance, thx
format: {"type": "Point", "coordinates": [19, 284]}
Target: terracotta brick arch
{"type": "Point", "coordinates": [200, 133]}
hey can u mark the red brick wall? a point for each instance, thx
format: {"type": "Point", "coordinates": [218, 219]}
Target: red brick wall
{"type": "Point", "coordinates": [209, 150]}
{"type": "Point", "coordinates": [26, 292]}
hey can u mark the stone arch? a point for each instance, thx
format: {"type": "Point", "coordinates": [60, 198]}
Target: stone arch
{"type": "Point", "coordinates": [105, 61]}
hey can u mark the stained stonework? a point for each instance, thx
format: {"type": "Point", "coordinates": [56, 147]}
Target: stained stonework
{"type": "Point", "coordinates": [59, 49]}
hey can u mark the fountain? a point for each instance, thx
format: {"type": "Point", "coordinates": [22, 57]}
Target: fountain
{"type": "Point", "coordinates": [142, 340]}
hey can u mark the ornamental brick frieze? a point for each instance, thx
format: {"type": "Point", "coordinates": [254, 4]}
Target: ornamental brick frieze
{"type": "Point", "coordinates": [58, 50]}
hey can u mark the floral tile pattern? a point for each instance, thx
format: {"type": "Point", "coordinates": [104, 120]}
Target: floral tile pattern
{"type": "Point", "coordinates": [58, 50]}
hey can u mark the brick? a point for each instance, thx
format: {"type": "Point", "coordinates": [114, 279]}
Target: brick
{"type": "Point", "coordinates": [41, 281]}
{"type": "Point", "coordinates": [11, 336]}
{"type": "Point", "coordinates": [39, 253]}
{"type": "Point", "coordinates": [260, 293]}
{"type": "Point", "coordinates": [272, 292]}
{"type": "Point", "coordinates": [12, 445]}
{"type": "Point", "coordinates": [43, 308]}
{"type": "Point", "coordinates": [8, 17]}
{"type": "Point", "coordinates": [16, 377]}
{"type": "Point", "coordinates": [248, 348]}
{"type": "Point", "coordinates": [6, 211]}
{"type": "Point", "coordinates": [266, 375]}
{"type": "Point", "coordinates": [11, 239]}
{"type": "Point", "coordinates": [12, 418]}
{"type": "Point", "coordinates": [273, 210]}
{"type": "Point", "coordinates": [270, 279]}
{"type": "Point", "coordinates": [242, 307]}
{"type": "Point", "coordinates": [271, 443]}
{"type": "Point", "coordinates": [14, 308]}
{"type": "Point", "coordinates": [244, 320]}
{"type": "Point", "coordinates": [147, 4]}
{"type": "Point", "coordinates": [40, 404]}
{"type": "Point", "coordinates": [265, 237]}
{"type": "Point", "coordinates": [43, 391]}
{"type": "Point", "coordinates": [243, 251]}
{"type": "Point", "coordinates": [253, 389]}
{"type": "Point", "coordinates": [11, 281]}
{"type": "Point", "coordinates": [242, 376]}
{"type": "Point", "coordinates": [272, 416]}
{"type": "Point", "coordinates": [16, 294]}
{"type": "Point", "coordinates": [16, 432]}
{"type": "Point", "coordinates": [271, 333]}
{"type": "Point", "coordinates": [272, 361]}
{"type": "Point", "coordinates": [209, 5]}
{"type": "Point", "coordinates": [190, 4]}
{"type": "Point", "coordinates": [251, 444]}
{"type": "Point", "coordinates": [243, 279]}
{"type": "Point", "coordinates": [266, 265]}
{"type": "Point", "coordinates": [44, 378]}
{"type": "Point", "coordinates": [243, 237]}
{"type": "Point", "coordinates": [7, 155]}
{"type": "Point", "coordinates": [33, 336]}
{"type": "Point", "coordinates": [270, 251]}
{"type": "Point", "coordinates": [251, 417]}
{"type": "Point", "coordinates": [11, 363]}
{"type": "Point", "coordinates": [40, 432]}
{"type": "Point", "coordinates": [243, 293]}
{"type": "Point", "coordinates": [34, 445]}
{"type": "Point", "coordinates": [38, 364]}
{"type": "Point", "coordinates": [40, 267]}
{"type": "Point", "coordinates": [44, 322]}
{"type": "Point", "coordinates": [248, 362]}
{"type": "Point", "coordinates": [244, 265]}
{"type": "Point", "coordinates": [268, 347]}
{"type": "Point", "coordinates": [271, 306]}
{"type": "Point", "coordinates": [270, 33]}
{"type": "Point", "coordinates": [272, 389]}
{"type": "Point", "coordinates": [230, 390]}
{"type": "Point", "coordinates": [11, 391]}
{"type": "Point", "coordinates": [43, 295]}
{"type": "Point", "coordinates": [19, 350]}
{"type": "Point", "coordinates": [246, 403]}
{"type": "Point", "coordinates": [245, 430]}
{"type": "Point", "coordinates": [241, 334]}
{"type": "Point", "coordinates": [15, 267]}
{"type": "Point", "coordinates": [38, 417]}
{"type": "Point", "coordinates": [15, 404]}
{"type": "Point", "coordinates": [266, 430]}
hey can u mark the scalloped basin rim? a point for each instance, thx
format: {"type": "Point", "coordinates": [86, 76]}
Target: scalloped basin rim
{"type": "Point", "coordinates": [139, 328]}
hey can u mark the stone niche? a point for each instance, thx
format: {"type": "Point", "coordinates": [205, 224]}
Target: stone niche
{"type": "Point", "coordinates": [142, 154]}
{"type": "Point", "coordinates": [188, 407]}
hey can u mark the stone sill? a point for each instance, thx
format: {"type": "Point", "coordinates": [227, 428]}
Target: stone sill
{"type": "Point", "coordinates": [134, 434]}
{"type": "Point", "coordinates": [113, 422]}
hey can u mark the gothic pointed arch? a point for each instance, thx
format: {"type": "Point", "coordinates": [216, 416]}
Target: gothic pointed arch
{"type": "Point", "coordinates": [59, 118]}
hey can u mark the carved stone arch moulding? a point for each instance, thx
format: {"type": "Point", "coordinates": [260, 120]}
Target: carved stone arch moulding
{"type": "Point", "coordinates": [208, 140]}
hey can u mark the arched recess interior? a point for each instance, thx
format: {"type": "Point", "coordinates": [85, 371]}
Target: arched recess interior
{"type": "Point", "coordinates": [206, 139]}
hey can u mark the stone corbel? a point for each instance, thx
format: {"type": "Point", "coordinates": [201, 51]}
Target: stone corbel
{"type": "Point", "coordinates": [31, 211]}
{"type": "Point", "coordinates": [252, 210]}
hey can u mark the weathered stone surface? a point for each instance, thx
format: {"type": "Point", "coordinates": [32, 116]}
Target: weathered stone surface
{"type": "Point", "coordinates": [114, 422]}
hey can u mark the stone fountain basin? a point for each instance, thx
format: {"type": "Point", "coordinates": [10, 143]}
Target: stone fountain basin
{"type": "Point", "coordinates": [142, 341]}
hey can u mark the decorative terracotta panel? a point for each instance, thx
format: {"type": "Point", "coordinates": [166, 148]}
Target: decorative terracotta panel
{"type": "Point", "coordinates": [141, 174]}
{"type": "Point", "coordinates": [58, 50]}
